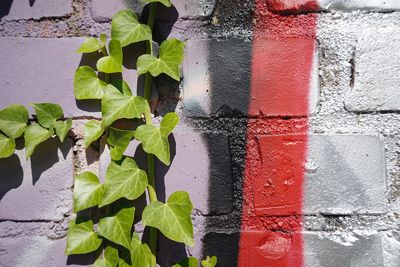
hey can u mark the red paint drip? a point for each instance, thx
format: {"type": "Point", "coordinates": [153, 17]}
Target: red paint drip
{"type": "Point", "coordinates": [282, 61]}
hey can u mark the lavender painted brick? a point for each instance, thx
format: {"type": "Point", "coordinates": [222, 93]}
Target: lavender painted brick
{"type": "Point", "coordinates": [377, 72]}
{"type": "Point", "coordinates": [21, 9]}
{"type": "Point", "coordinates": [40, 188]}
{"type": "Point", "coordinates": [201, 165]}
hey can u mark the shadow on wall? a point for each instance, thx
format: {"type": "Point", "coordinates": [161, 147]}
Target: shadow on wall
{"type": "Point", "coordinates": [5, 6]}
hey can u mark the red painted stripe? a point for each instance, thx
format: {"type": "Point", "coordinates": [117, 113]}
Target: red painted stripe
{"type": "Point", "coordinates": [282, 61]}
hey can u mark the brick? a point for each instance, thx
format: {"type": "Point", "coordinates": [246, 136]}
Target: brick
{"type": "Point", "coordinates": [376, 74]}
{"type": "Point", "coordinates": [21, 9]}
{"type": "Point", "coordinates": [103, 10]}
{"type": "Point", "coordinates": [201, 165]}
{"type": "Point", "coordinates": [344, 174]}
{"type": "Point", "coordinates": [219, 81]}
{"type": "Point", "coordinates": [40, 188]}
{"type": "Point", "coordinates": [391, 248]}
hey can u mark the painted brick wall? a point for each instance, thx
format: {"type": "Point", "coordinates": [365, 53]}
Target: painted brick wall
{"type": "Point", "coordinates": [289, 143]}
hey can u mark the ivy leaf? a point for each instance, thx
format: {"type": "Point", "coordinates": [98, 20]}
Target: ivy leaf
{"type": "Point", "coordinates": [88, 191]}
{"type": "Point", "coordinates": [110, 258]}
{"type": "Point", "coordinates": [93, 131]}
{"type": "Point", "coordinates": [90, 45]}
{"type": "Point", "coordinates": [173, 218]}
{"type": "Point", "coordinates": [118, 141]}
{"type": "Point", "coordinates": [188, 262]}
{"type": "Point", "coordinates": [87, 85]}
{"type": "Point", "coordinates": [47, 113]}
{"type": "Point", "coordinates": [7, 146]}
{"type": "Point", "coordinates": [13, 120]}
{"type": "Point", "coordinates": [126, 28]}
{"type": "Point", "coordinates": [155, 140]}
{"type": "Point", "coordinates": [111, 89]}
{"type": "Point", "coordinates": [34, 135]}
{"type": "Point", "coordinates": [117, 228]}
{"type": "Point", "coordinates": [113, 62]}
{"type": "Point", "coordinates": [140, 253]}
{"type": "Point", "coordinates": [166, 3]}
{"type": "Point", "coordinates": [125, 180]}
{"type": "Point", "coordinates": [117, 106]}
{"type": "Point", "coordinates": [103, 39]}
{"type": "Point", "coordinates": [209, 261]}
{"type": "Point", "coordinates": [81, 238]}
{"type": "Point", "coordinates": [171, 57]}
{"type": "Point", "coordinates": [122, 87]}
{"type": "Point", "coordinates": [62, 128]}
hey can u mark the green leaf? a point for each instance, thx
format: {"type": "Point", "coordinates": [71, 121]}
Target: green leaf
{"type": "Point", "coordinates": [113, 62]}
{"type": "Point", "coordinates": [47, 113]}
{"type": "Point", "coordinates": [117, 106]}
{"type": "Point", "coordinates": [62, 128]}
{"type": "Point", "coordinates": [110, 258]}
{"type": "Point", "coordinates": [34, 135]}
{"type": "Point", "coordinates": [7, 146]}
{"type": "Point", "coordinates": [103, 39]}
{"type": "Point", "coordinates": [118, 141]}
{"type": "Point", "coordinates": [173, 218]}
{"type": "Point", "coordinates": [171, 57]}
{"type": "Point", "coordinates": [81, 238]}
{"type": "Point", "coordinates": [188, 262]}
{"type": "Point", "coordinates": [166, 3]}
{"type": "Point", "coordinates": [125, 180]}
{"type": "Point", "coordinates": [209, 261]}
{"type": "Point", "coordinates": [87, 85]}
{"type": "Point", "coordinates": [122, 87]}
{"type": "Point", "coordinates": [88, 191]}
{"type": "Point", "coordinates": [13, 120]}
{"type": "Point", "coordinates": [155, 140]}
{"type": "Point", "coordinates": [111, 89]}
{"type": "Point", "coordinates": [140, 253]}
{"type": "Point", "coordinates": [93, 131]}
{"type": "Point", "coordinates": [126, 28]}
{"type": "Point", "coordinates": [117, 228]}
{"type": "Point", "coordinates": [90, 45]}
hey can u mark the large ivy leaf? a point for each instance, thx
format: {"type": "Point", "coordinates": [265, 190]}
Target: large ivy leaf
{"type": "Point", "coordinates": [118, 141]}
{"type": "Point", "coordinates": [81, 238]}
{"type": "Point", "coordinates": [87, 85]}
{"type": "Point", "coordinates": [110, 258]}
{"type": "Point", "coordinates": [125, 180]}
{"type": "Point", "coordinates": [34, 135]}
{"type": "Point", "coordinates": [118, 228]}
{"type": "Point", "coordinates": [188, 262]}
{"type": "Point", "coordinates": [166, 3]}
{"type": "Point", "coordinates": [122, 87]}
{"type": "Point", "coordinates": [113, 62]}
{"type": "Point", "coordinates": [47, 113]}
{"type": "Point", "coordinates": [209, 261]}
{"type": "Point", "coordinates": [13, 120]}
{"type": "Point", "coordinates": [155, 140]}
{"type": "Point", "coordinates": [126, 28]}
{"type": "Point", "coordinates": [173, 218]}
{"type": "Point", "coordinates": [88, 191]}
{"type": "Point", "coordinates": [171, 57]}
{"type": "Point", "coordinates": [62, 128]}
{"type": "Point", "coordinates": [140, 253]}
{"type": "Point", "coordinates": [93, 131]}
{"type": "Point", "coordinates": [90, 45]}
{"type": "Point", "coordinates": [118, 106]}
{"type": "Point", "coordinates": [7, 146]}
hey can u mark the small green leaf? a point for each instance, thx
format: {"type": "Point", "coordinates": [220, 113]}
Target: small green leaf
{"type": "Point", "coordinates": [113, 62]}
{"type": "Point", "coordinates": [47, 113]}
{"type": "Point", "coordinates": [166, 3]}
{"type": "Point", "coordinates": [87, 85]}
{"type": "Point", "coordinates": [111, 89]}
{"type": "Point", "coordinates": [103, 39]}
{"type": "Point", "coordinates": [173, 218]}
{"type": "Point", "coordinates": [117, 106]}
{"type": "Point", "coordinates": [125, 180]}
{"type": "Point", "coordinates": [118, 141]}
{"type": "Point", "coordinates": [140, 253]}
{"type": "Point", "coordinates": [209, 261]}
{"type": "Point", "coordinates": [122, 86]}
{"type": "Point", "coordinates": [88, 191]}
{"type": "Point", "coordinates": [155, 140]}
{"type": "Point", "coordinates": [188, 262]}
{"type": "Point", "coordinates": [93, 131]}
{"type": "Point", "coordinates": [7, 146]}
{"type": "Point", "coordinates": [13, 120]}
{"type": "Point", "coordinates": [171, 57]}
{"type": "Point", "coordinates": [110, 258]}
{"type": "Point", "coordinates": [34, 135]}
{"type": "Point", "coordinates": [90, 45]}
{"type": "Point", "coordinates": [62, 128]}
{"type": "Point", "coordinates": [117, 228]}
{"type": "Point", "coordinates": [81, 238]}
{"type": "Point", "coordinates": [126, 28]}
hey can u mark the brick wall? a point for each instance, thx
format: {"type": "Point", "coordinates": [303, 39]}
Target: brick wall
{"type": "Point", "coordinates": [289, 142]}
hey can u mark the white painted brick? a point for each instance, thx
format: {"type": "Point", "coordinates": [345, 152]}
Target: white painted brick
{"type": "Point", "coordinates": [391, 248]}
{"type": "Point", "coordinates": [368, 5]}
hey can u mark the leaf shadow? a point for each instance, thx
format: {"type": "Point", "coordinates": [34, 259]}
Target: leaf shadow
{"type": "Point", "coordinates": [5, 7]}
{"type": "Point", "coordinates": [11, 174]}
